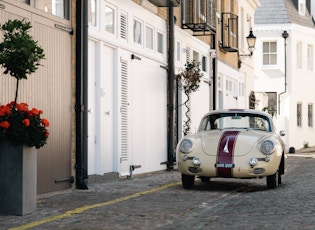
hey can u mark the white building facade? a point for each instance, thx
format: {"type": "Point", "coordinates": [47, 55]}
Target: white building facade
{"type": "Point", "coordinates": [127, 102]}
{"type": "Point", "coordinates": [284, 68]}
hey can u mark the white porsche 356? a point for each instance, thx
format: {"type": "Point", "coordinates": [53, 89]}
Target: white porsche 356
{"type": "Point", "coordinates": [232, 144]}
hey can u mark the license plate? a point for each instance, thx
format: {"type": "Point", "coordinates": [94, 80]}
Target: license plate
{"type": "Point", "coordinates": [226, 166]}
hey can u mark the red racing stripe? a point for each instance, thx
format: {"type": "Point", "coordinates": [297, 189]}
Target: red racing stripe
{"type": "Point", "coordinates": [225, 154]}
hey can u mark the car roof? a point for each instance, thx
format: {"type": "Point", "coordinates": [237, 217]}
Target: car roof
{"type": "Point", "coordinates": [253, 111]}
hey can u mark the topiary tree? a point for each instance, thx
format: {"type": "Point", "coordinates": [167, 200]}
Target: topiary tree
{"type": "Point", "coordinates": [190, 82]}
{"type": "Point", "coordinates": [19, 53]}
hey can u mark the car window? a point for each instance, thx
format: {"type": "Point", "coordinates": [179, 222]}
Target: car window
{"type": "Point", "coordinates": [234, 120]}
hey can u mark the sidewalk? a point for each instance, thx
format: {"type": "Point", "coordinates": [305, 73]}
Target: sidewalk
{"type": "Point", "coordinates": [304, 152]}
{"type": "Point", "coordinates": [62, 206]}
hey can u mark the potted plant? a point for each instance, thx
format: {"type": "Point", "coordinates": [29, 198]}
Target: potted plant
{"type": "Point", "coordinates": [189, 81]}
{"type": "Point", "coordinates": [22, 129]}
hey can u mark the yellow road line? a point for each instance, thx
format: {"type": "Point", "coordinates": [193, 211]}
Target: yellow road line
{"type": "Point", "coordinates": [88, 207]}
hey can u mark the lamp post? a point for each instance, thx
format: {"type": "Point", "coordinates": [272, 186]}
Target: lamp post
{"type": "Point", "coordinates": [285, 35]}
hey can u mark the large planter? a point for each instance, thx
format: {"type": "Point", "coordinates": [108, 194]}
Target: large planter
{"type": "Point", "coordinates": [18, 179]}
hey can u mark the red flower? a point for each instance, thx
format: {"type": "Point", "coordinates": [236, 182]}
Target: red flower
{"type": "Point", "coordinates": [23, 126]}
{"type": "Point", "coordinates": [23, 107]}
{"type": "Point", "coordinates": [4, 124]}
{"type": "Point", "coordinates": [26, 122]}
{"type": "Point", "coordinates": [34, 112]}
{"type": "Point", "coordinates": [4, 110]}
{"type": "Point", "coordinates": [45, 122]}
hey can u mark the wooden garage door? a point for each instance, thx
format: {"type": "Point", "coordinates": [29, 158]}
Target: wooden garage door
{"type": "Point", "coordinates": [48, 89]}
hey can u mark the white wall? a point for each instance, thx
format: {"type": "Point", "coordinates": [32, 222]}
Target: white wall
{"type": "Point", "coordinates": [116, 142]}
{"type": "Point", "coordinates": [299, 81]}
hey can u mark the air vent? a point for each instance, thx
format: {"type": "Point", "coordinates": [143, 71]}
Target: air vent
{"type": "Point", "coordinates": [123, 26]}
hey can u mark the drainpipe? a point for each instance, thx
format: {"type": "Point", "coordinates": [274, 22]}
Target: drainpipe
{"type": "Point", "coordinates": [170, 155]}
{"type": "Point", "coordinates": [214, 69]}
{"type": "Point", "coordinates": [285, 35]}
{"type": "Point", "coordinates": [81, 93]}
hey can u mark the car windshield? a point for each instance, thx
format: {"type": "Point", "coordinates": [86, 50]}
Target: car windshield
{"type": "Point", "coordinates": [235, 120]}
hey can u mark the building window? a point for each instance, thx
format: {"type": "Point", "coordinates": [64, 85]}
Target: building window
{"type": "Point", "coordinates": [160, 43]}
{"type": "Point", "coordinates": [149, 37]}
{"type": "Point", "coordinates": [196, 56]}
{"type": "Point", "coordinates": [299, 114]}
{"type": "Point", "coordinates": [60, 8]}
{"type": "Point", "coordinates": [310, 57]}
{"type": "Point", "coordinates": [241, 89]}
{"type": "Point", "coordinates": [109, 19]}
{"type": "Point", "coordinates": [178, 51]}
{"type": "Point", "coordinates": [137, 32]}
{"type": "Point", "coordinates": [230, 86]}
{"type": "Point", "coordinates": [310, 115]}
{"type": "Point", "coordinates": [269, 53]}
{"type": "Point", "coordinates": [219, 82]}
{"type": "Point", "coordinates": [204, 63]}
{"type": "Point", "coordinates": [299, 55]}
{"type": "Point", "coordinates": [92, 12]}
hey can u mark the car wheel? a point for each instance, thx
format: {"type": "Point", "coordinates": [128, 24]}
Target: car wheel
{"type": "Point", "coordinates": [272, 180]}
{"type": "Point", "coordinates": [205, 179]}
{"type": "Point", "coordinates": [188, 181]}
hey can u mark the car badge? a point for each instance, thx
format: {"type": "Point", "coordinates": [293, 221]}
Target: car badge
{"type": "Point", "coordinates": [226, 146]}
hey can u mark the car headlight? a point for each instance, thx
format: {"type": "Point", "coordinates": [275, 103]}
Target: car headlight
{"type": "Point", "coordinates": [186, 145]}
{"type": "Point", "coordinates": [267, 147]}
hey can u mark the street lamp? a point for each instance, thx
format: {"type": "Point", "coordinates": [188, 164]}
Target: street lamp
{"type": "Point", "coordinates": [251, 40]}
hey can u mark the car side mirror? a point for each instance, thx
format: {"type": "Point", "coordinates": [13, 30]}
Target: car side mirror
{"type": "Point", "coordinates": [282, 133]}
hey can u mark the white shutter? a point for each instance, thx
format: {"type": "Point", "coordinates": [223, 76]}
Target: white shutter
{"type": "Point", "coordinates": [124, 112]}
{"type": "Point", "coordinates": [123, 26]}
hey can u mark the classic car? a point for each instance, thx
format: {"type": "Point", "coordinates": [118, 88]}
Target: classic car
{"type": "Point", "coordinates": [232, 143]}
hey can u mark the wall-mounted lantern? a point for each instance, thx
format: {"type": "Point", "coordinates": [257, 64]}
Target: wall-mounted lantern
{"type": "Point", "coordinates": [251, 40]}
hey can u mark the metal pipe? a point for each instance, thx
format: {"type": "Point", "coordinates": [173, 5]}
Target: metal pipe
{"type": "Point", "coordinates": [81, 94]}
{"type": "Point", "coordinates": [285, 35]}
{"type": "Point", "coordinates": [170, 154]}
{"type": "Point", "coordinates": [214, 69]}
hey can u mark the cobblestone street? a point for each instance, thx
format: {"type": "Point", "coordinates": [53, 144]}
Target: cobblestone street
{"type": "Point", "coordinates": [158, 201]}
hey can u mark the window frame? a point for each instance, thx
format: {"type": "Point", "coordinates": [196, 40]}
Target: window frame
{"type": "Point", "coordinates": [299, 55]}
{"type": "Point", "coordinates": [113, 26]}
{"type": "Point", "coordinates": [159, 35]}
{"type": "Point", "coordinates": [66, 7]}
{"type": "Point", "coordinates": [134, 38]}
{"type": "Point", "coordinates": [299, 114]}
{"type": "Point", "coordinates": [269, 54]}
{"type": "Point", "coordinates": [146, 27]}
{"type": "Point", "coordinates": [310, 115]}
{"type": "Point", "coordinates": [310, 57]}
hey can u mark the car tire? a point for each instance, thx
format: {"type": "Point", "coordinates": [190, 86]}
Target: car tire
{"type": "Point", "coordinates": [279, 179]}
{"type": "Point", "coordinates": [188, 181]}
{"type": "Point", "coordinates": [273, 180]}
{"type": "Point", "coordinates": [205, 179]}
